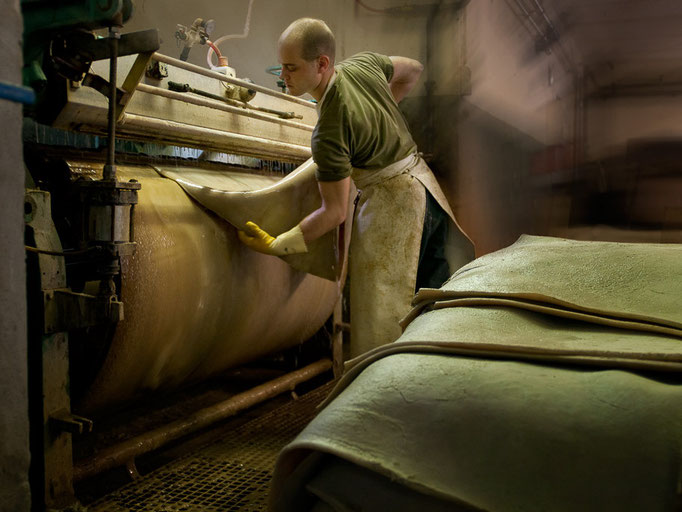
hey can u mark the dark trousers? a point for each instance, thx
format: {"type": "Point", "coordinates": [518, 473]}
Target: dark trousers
{"type": "Point", "coordinates": [433, 268]}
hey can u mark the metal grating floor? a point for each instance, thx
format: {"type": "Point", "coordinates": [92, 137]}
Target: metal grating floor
{"type": "Point", "coordinates": [231, 474]}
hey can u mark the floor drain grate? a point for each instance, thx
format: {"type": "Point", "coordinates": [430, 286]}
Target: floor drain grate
{"type": "Point", "coordinates": [231, 474]}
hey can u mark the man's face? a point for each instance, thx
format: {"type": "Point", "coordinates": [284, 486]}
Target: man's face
{"type": "Point", "coordinates": [299, 75]}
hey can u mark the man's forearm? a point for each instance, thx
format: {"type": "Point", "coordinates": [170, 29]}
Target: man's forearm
{"type": "Point", "coordinates": [318, 223]}
{"type": "Point", "coordinates": [331, 213]}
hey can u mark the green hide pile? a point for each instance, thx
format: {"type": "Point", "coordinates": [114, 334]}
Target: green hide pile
{"type": "Point", "coordinates": [545, 376]}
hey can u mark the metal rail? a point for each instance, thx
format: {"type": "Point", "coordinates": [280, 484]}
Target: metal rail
{"type": "Point", "coordinates": [234, 81]}
{"type": "Point", "coordinates": [194, 100]}
{"type": "Point", "coordinates": [125, 453]}
{"type": "Point", "coordinates": [209, 138]}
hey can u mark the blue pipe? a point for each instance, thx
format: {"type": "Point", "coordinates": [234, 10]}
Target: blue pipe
{"type": "Point", "coordinates": [17, 93]}
{"type": "Point", "coordinates": [274, 70]}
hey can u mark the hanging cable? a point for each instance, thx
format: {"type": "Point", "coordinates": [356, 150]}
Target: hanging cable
{"type": "Point", "coordinates": [243, 35]}
{"type": "Point", "coordinates": [215, 49]}
{"type": "Point", "coordinates": [371, 9]}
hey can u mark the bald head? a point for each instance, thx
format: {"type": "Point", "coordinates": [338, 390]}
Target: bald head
{"type": "Point", "coordinates": [313, 37]}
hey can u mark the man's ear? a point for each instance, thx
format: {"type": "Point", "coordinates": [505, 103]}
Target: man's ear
{"type": "Point", "coordinates": [323, 63]}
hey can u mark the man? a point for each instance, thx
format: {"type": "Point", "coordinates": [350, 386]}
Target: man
{"type": "Point", "coordinates": [362, 135]}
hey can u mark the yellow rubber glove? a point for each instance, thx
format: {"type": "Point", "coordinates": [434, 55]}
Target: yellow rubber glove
{"type": "Point", "coordinates": [290, 242]}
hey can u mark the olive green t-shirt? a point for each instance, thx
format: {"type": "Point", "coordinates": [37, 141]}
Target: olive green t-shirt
{"type": "Point", "coordinates": [359, 124]}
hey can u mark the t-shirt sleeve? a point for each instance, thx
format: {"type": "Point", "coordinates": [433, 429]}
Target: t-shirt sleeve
{"type": "Point", "coordinates": [332, 159]}
{"type": "Point", "coordinates": [371, 60]}
{"type": "Point", "coordinates": [330, 145]}
{"type": "Point", "coordinates": [332, 142]}
{"type": "Point", "coordinates": [386, 65]}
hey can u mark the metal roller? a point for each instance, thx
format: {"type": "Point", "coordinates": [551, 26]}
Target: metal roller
{"type": "Point", "coordinates": [196, 300]}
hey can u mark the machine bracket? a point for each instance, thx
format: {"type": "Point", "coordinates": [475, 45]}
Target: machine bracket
{"type": "Point", "coordinates": [66, 310]}
{"type": "Point", "coordinates": [157, 70]}
{"type": "Point", "coordinates": [108, 193]}
{"type": "Point", "coordinates": [131, 81]}
{"type": "Point", "coordinates": [108, 214]}
{"type": "Point", "coordinates": [101, 85]}
{"type": "Point", "coordinates": [92, 49]}
{"type": "Point", "coordinates": [64, 421]}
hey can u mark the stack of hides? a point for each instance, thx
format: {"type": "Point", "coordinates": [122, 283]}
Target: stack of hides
{"type": "Point", "coordinates": [545, 376]}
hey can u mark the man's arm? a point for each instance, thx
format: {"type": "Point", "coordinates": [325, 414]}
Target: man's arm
{"type": "Point", "coordinates": [331, 213]}
{"type": "Point", "coordinates": [406, 72]}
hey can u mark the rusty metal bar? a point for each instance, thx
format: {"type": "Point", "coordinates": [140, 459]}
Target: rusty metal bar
{"type": "Point", "coordinates": [234, 81]}
{"type": "Point", "coordinates": [124, 453]}
{"type": "Point", "coordinates": [194, 100]}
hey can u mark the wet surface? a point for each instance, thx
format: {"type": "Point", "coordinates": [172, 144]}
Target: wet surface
{"type": "Point", "coordinates": [231, 471]}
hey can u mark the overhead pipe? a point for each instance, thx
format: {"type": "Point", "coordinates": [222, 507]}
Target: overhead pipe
{"type": "Point", "coordinates": [539, 30]}
{"type": "Point", "coordinates": [162, 130]}
{"type": "Point", "coordinates": [579, 116]}
{"type": "Point", "coordinates": [547, 20]}
{"type": "Point", "coordinates": [194, 100]}
{"type": "Point", "coordinates": [561, 55]}
{"type": "Point", "coordinates": [125, 453]}
{"type": "Point", "coordinates": [430, 83]}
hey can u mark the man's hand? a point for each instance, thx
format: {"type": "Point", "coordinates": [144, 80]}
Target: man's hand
{"type": "Point", "coordinates": [290, 242]}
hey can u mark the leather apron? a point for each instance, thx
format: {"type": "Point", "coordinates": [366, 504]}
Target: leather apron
{"type": "Point", "coordinates": [385, 244]}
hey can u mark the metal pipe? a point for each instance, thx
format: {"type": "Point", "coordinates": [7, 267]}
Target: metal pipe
{"type": "Point", "coordinates": [209, 138]}
{"type": "Point", "coordinates": [570, 66]}
{"type": "Point", "coordinates": [547, 20]}
{"type": "Point", "coordinates": [124, 452]}
{"type": "Point", "coordinates": [188, 98]}
{"type": "Point", "coordinates": [561, 55]}
{"type": "Point", "coordinates": [539, 31]}
{"type": "Point", "coordinates": [110, 166]}
{"type": "Point", "coordinates": [17, 93]}
{"type": "Point", "coordinates": [174, 86]}
{"type": "Point", "coordinates": [430, 83]}
{"type": "Point", "coordinates": [235, 81]}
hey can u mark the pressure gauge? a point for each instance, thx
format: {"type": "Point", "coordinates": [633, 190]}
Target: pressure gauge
{"type": "Point", "coordinates": [209, 25]}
